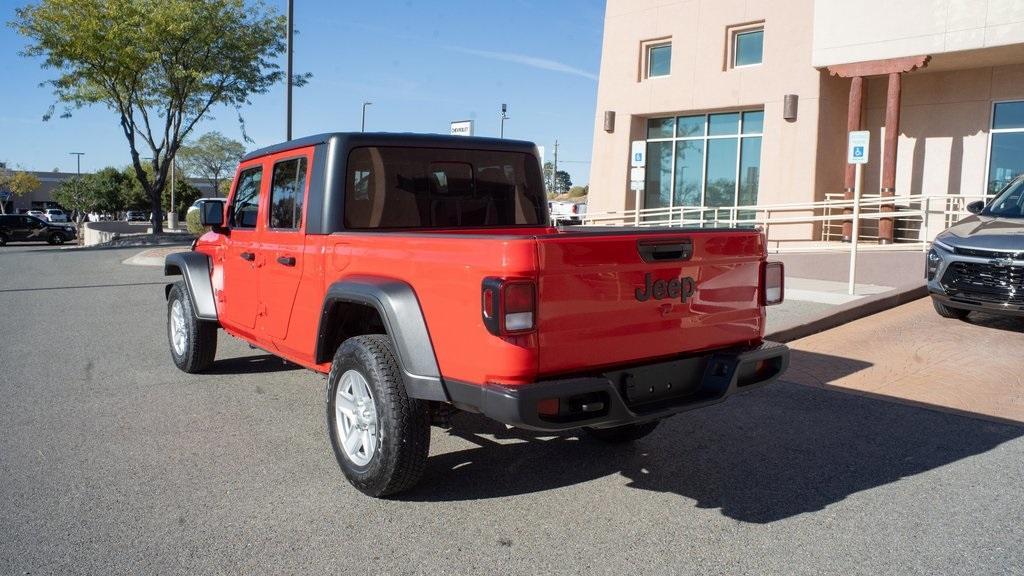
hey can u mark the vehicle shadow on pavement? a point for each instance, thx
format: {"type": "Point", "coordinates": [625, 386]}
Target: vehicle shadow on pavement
{"type": "Point", "coordinates": [759, 457]}
{"type": "Point", "coordinates": [262, 364]}
{"type": "Point", "coordinates": [997, 322]}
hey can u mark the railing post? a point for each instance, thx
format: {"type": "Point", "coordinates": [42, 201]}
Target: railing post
{"type": "Point", "coordinates": [923, 236]}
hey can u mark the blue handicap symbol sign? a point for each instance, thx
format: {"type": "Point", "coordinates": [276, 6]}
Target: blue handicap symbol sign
{"type": "Point", "coordinates": [638, 156]}
{"type": "Point", "coordinates": [858, 151]}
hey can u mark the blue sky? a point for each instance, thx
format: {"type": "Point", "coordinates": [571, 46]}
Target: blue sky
{"type": "Point", "coordinates": [422, 64]}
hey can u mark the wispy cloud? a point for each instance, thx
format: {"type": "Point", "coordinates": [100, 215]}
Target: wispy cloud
{"type": "Point", "coordinates": [531, 61]}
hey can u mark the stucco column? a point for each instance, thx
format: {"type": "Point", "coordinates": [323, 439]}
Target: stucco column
{"type": "Point", "coordinates": [892, 134]}
{"type": "Point", "coordinates": [852, 123]}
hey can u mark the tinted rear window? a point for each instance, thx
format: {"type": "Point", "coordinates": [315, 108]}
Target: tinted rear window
{"type": "Point", "coordinates": [398, 187]}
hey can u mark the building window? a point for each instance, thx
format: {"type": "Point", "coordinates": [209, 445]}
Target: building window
{"type": "Point", "coordinates": [657, 58]}
{"type": "Point", "coordinates": [704, 160]}
{"type": "Point", "coordinates": [1006, 144]}
{"type": "Point", "coordinates": [745, 45]}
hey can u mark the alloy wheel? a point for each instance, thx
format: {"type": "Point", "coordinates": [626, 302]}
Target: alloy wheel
{"type": "Point", "coordinates": [356, 418]}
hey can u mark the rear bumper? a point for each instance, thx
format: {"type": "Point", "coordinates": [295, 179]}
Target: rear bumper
{"type": "Point", "coordinates": [628, 395]}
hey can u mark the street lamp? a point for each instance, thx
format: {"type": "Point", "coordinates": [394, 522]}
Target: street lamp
{"type": "Point", "coordinates": [363, 125]}
{"type": "Point", "coordinates": [288, 83]}
{"type": "Point", "coordinates": [504, 116]}
{"type": "Point", "coordinates": [78, 171]}
{"type": "Point", "coordinates": [78, 158]}
{"type": "Point", "coordinates": [172, 215]}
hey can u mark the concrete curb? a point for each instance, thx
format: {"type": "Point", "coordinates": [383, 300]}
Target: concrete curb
{"type": "Point", "coordinates": [153, 256]}
{"type": "Point", "coordinates": [849, 312]}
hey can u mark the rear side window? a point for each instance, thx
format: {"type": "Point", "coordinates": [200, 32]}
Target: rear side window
{"type": "Point", "coordinates": [287, 193]}
{"type": "Point", "coordinates": [401, 187]}
{"type": "Point", "coordinates": [245, 204]}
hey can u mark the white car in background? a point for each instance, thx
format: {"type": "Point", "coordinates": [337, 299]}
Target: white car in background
{"type": "Point", "coordinates": [37, 213]}
{"type": "Point", "coordinates": [567, 212]}
{"type": "Point", "coordinates": [55, 215]}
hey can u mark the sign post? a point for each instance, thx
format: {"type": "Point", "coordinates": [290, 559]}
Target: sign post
{"type": "Point", "coordinates": [856, 154]}
{"type": "Point", "coordinates": [637, 175]}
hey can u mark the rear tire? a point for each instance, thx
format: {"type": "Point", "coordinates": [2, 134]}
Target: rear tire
{"type": "Point", "coordinates": [619, 434]}
{"type": "Point", "coordinates": [3, 240]}
{"type": "Point", "coordinates": [56, 239]}
{"type": "Point", "coordinates": [948, 311]}
{"type": "Point", "coordinates": [380, 436]}
{"type": "Point", "coordinates": [193, 342]}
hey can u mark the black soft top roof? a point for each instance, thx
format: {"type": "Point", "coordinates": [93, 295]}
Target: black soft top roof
{"type": "Point", "coordinates": [349, 140]}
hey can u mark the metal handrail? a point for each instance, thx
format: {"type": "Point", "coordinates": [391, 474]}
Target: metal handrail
{"type": "Point", "coordinates": [916, 209]}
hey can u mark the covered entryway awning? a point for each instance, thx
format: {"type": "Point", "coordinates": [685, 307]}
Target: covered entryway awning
{"type": "Point", "coordinates": [857, 71]}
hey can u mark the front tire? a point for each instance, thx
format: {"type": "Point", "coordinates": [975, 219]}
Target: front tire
{"type": "Point", "coordinates": [620, 434]}
{"type": "Point", "coordinates": [193, 342]}
{"type": "Point", "coordinates": [3, 240]}
{"type": "Point", "coordinates": [380, 436]}
{"type": "Point", "coordinates": [948, 311]}
{"type": "Point", "coordinates": [56, 239]}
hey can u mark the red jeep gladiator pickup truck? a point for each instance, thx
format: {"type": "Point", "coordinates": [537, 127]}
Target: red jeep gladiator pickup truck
{"type": "Point", "coordinates": [421, 273]}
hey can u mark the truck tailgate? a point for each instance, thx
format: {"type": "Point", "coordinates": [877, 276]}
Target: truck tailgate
{"type": "Point", "coordinates": [613, 298]}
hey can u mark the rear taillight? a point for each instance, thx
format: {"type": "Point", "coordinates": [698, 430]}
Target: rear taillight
{"type": "Point", "coordinates": [509, 306]}
{"type": "Point", "coordinates": [773, 280]}
{"type": "Point", "coordinates": [575, 208]}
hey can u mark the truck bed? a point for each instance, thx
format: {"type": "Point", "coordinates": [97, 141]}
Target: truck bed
{"type": "Point", "coordinates": [588, 313]}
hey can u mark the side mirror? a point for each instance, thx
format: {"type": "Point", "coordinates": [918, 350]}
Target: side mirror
{"type": "Point", "coordinates": [976, 207]}
{"type": "Point", "coordinates": [212, 214]}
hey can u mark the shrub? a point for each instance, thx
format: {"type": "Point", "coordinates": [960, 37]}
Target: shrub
{"type": "Point", "coordinates": [192, 223]}
{"type": "Point", "coordinates": [578, 191]}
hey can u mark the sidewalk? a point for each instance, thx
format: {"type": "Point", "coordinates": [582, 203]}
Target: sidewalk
{"type": "Point", "coordinates": [817, 291]}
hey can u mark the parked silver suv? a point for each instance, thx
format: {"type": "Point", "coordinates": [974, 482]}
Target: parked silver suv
{"type": "Point", "coordinates": [978, 264]}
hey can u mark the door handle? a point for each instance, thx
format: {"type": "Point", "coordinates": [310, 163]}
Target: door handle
{"type": "Point", "coordinates": [249, 256]}
{"type": "Point", "coordinates": [286, 260]}
{"type": "Point", "coordinates": [661, 251]}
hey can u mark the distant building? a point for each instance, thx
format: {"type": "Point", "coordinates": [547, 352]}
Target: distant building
{"type": "Point", "coordinates": [705, 84]}
{"type": "Point", "coordinates": [42, 197]}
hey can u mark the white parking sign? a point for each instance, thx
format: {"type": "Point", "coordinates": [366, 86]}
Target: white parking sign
{"type": "Point", "coordinates": [638, 154]}
{"type": "Point", "coordinates": [858, 146]}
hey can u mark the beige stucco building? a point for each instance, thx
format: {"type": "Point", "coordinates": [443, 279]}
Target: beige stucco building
{"type": "Point", "coordinates": [744, 102]}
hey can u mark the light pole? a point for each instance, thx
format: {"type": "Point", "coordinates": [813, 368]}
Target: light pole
{"type": "Point", "coordinates": [363, 125]}
{"type": "Point", "coordinates": [288, 84]}
{"type": "Point", "coordinates": [504, 116]}
{"type": "Point", "coordinates": [172, 215]}
{"type": "Point", "coordinates": [78, 171]}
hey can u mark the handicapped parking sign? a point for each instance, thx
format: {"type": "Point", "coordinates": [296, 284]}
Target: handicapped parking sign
{"type": "Point", "coordinates": [638, 154]}
{"type": "Point", "coordinates": [857, 148]}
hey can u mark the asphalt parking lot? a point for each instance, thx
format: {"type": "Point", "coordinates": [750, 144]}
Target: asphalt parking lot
{"type": "Point", "coordinates": [113, 462]}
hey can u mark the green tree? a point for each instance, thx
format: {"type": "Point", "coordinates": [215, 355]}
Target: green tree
{"type": "Point", "coordinates": [132, 195]}
{"type": "Point", "coordinates": [78, 194]}
{"type": "Point", "coordinates": [16, 183]}
{"type": "Point", "coordinates": [212, 156]}
{"type": "Point", "coordinates": [103, 191]}
{"type": "Point", "coordinates": [110, 185]}
{"type": "Point", "coordinates": [561, 182]}
{"type": "Point", "coordinates": [160, 65]}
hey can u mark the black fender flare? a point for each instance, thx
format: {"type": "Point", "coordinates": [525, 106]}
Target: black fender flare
{"type": "Point", "coordinates": [194, 267]}
{"type": "Point", "coordinates": [399, 309]}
